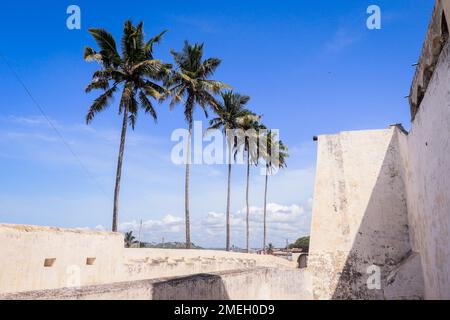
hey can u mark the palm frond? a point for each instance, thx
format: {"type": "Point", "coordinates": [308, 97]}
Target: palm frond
{"type": "Point", "coordinates": [209, 66]}
{"type": "Point", "coordinates": [107, 45]}
{"type": "Point", "coordinates": [100, 103]}
{"type": "Point", "coordinates": [91, 55]}
{"type": "Point", "coordinates": [147, 67]}
{"type": "Point", "coordinates": [97, 84]}
{"type": "Point", "coordinates": [147, 105]}
{"type": "Point", "coordinates": [149, 45]}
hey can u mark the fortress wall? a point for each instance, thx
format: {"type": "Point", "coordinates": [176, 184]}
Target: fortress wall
{"type": "Point", "coordinates": [399, 207]}
{"type": "Point", "coordinates": [142, 264]}
{"type": "Point", "coordinates": [428, 180]}
{"type": "Point", "coordinates": [24, 250]}
{"type": "Point", "coordinates": [359, 214]}
{"type": "Point", "coordinates": [249, 284]}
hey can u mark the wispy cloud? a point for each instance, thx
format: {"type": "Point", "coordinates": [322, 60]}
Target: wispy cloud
{"type": "Point", "coordinates": [342, 39]}
{"type": "Point", "coordinates": [201, 24]}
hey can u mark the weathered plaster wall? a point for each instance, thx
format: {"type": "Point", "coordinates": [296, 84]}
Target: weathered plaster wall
{"type": "Point", "coordinates": [427, 161]}
{"type": "Point", "coordinates": [155, 263]}
{"type": "Point", "coordinates": [23, 250]}
{"type": "Point", "coordinates": [383, 197]}
{"type": "Point", "coordinates": [359, 213]}
{"type": "Point", "coordinates": [248, 284]}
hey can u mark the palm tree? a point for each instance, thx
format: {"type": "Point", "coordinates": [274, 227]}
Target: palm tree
{"type": "Point", "coordinates": [129, 239]}
{"type": "Point", "coordinates": [133, 73]}
{"type": "Point", "coordinates": [270, 248]}
{"type": "Point", "coordinates": [190, 85]}
{"type": "Point", "coordinates": [274, 155]}
{"type": "Point", "coordinates": [229, 113]}
{"type": "Point", "coordinates": [251, 126]}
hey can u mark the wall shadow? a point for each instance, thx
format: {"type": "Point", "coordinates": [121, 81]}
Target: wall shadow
{"type": "Point", "coordinates": [382, 239]}
{"type": "Point", "coordinates": [194, 287]}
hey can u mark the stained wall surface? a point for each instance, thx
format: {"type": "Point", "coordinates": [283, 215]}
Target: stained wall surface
{"type": "Point", "coordinates": [359, 214]}
{"type": "Point", "coordinates": [427, 163]}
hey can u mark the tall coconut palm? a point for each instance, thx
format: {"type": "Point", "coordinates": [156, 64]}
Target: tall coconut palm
{"type": "Point", "coordinates": [135, 73]}
{"type": "Point", "coordinates": [190, 84]}
{"type": "Point", "coordinates": [229, 113]}
{"type": "Point", "coordinates": [250, 144]}
{"type": "Point", "coordinates": [274, 154]}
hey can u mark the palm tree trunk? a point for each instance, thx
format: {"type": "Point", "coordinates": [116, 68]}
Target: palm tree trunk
{"type": "Point", "coordinates": [228, 200]}
{"type": "Point", "coordinates": [248, 207]}
{"type": "Point", "coordinates": [186, 190]}
{"type": "Point", "coordinates": [119, 170]}
{"type": "Point", "coordinates": [265, 213]}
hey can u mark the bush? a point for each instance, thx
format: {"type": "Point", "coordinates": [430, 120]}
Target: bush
{"type": "Point", "coordinates": [302, 243]}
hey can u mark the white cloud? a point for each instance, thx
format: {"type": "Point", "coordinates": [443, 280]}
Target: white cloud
{"type": "Point", "coordinates": [283, 221]}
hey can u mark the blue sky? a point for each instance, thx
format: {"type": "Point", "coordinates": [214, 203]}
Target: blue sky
{"type": "Point", "coordinates": [311, 67]}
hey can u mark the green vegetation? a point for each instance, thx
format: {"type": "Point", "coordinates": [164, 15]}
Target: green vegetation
{"type": "Point", "coordinates": [129, 239]}
{"type": "Point", "coordinates": [302, 243]}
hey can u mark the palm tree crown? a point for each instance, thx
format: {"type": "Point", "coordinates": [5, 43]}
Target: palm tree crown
{"type": "Point", "coordinates": [135, 71]}
{"type": "Point", "coordinates": [274, 153]}
{"type": "Point", "coordinates": [250, 144]}
{"type": "Point", "coordinates": [231, 112]}
{"type": "Point", "coordinates": [190, 81]}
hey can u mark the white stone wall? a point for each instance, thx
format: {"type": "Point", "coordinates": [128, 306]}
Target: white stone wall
{"type": "Point", "coordinates": [359, 213]}
{"type": "Point", "coordinates": [139, 264]}
{"type": "Point", "coordinates": [427, 160]}
{"type": "Point", "coordinates": [24, 249]}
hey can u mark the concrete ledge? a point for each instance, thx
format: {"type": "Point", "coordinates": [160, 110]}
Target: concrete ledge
{"type": "Point", "coordinates": [250, 284]}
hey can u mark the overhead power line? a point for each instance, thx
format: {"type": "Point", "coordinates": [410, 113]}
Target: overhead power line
{"type": "Point", "coordinates": [55, 129]}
